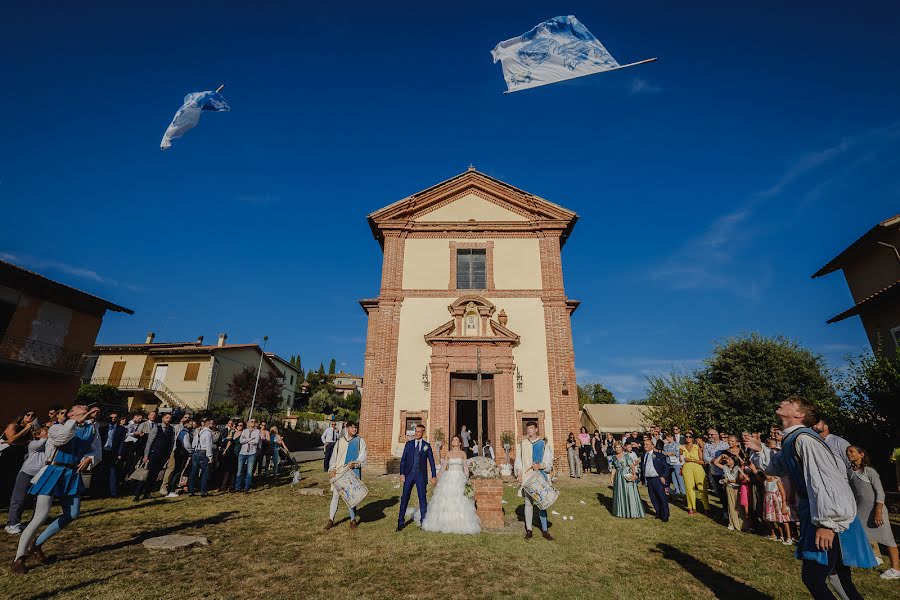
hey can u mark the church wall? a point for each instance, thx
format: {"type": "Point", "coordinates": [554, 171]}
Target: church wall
{"type": "Point", "coordinates": [418, 316]}
{"type": "Point", "coordinates": [516, 263]}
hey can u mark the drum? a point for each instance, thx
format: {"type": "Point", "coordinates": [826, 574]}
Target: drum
{"type": "Point", "coordinates": [350, 487]}
{"type": "Point", "coordinates": [539, 490]}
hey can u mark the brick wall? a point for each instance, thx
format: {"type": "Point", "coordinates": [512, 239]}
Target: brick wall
{"type": "Point", "coordinates": [488, 502]}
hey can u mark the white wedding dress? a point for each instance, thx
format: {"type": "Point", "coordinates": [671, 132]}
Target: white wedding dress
{"type": "Point", "coordinates": [449, 510]}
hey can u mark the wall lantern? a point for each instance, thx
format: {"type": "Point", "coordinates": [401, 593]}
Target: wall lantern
{"type": "Point", "coordinates": [425, 382]}
{"type": "Point", "coordinates": [518, 380]}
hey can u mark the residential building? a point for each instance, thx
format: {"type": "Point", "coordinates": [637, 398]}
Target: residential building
{"type": "Point", "coordinates": [871, 266]}
{"type": "Point", "coordinates": [471, 285]}
{"type": "Point", "coordinates": [190, 375]}
{"type": "Point", "coordinates": [46, 330]}
{"type": "Point", "coordinates": [290, 378]}
{"type": "Point", "coordinates": [345, 383]}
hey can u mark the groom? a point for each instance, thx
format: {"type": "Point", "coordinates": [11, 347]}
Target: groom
{"type": "Point", "coordinates": [417, 455]}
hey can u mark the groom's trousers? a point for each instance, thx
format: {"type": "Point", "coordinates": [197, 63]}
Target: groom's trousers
{"type": "Point", "coordinates": [418, 480]}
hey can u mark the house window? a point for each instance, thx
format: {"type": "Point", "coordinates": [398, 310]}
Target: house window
{"type": "Point", "coordinates": [192, 371]}
{"type": "Point", "coordinates": [471, 273]}
{"type": "Point", "coordinates": [895, 333]}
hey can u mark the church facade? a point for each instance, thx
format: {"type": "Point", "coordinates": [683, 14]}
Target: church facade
{"type": "Point", "coordinates": [471, 307]}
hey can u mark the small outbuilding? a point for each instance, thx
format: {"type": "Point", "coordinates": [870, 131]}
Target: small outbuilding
{"type": "Point", "coordinates": [614, 418]}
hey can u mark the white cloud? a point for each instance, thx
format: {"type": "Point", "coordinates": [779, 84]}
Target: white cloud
{"type": "Point", "coordinates": [640, 85]}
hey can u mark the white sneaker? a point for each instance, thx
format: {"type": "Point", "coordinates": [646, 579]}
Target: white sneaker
{"type": "Point", "coordinates": [878, 561]}
{"type": "Point", "coordinates": [172, 495]}
{"type": "Point", "coordinates": [730, 527]}
{"type": "Point", "coordinates": [788, 542]}
{"type": "Point", "coordinates": [14, 529]}
{"type": "Point", "coordinates": [891, 574]}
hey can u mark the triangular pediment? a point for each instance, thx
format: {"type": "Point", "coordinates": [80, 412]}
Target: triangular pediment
{"type": "Point", "coordinates": [468, 206]}
{"type": "Point", "coordinates": [476, 190]}
{"type": "Point", "coordinates": [448, 333]}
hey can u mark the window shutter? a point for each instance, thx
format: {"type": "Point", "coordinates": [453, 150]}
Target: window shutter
{"type": "Point", "coordinates": [192, 371]}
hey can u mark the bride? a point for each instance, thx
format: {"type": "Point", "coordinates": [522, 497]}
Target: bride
{"type": "Point", "coordinates": [449, 510]}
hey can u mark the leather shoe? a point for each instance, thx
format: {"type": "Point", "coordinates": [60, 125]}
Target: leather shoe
{"type": "Point", "coordinates": [18, 566]}
{"type": "Point", "coordinates": [547, 535]}
{"type": "Point", "coordinates": [354, 523]}
{"type": "Point", "coordinates": [35, 551]}
{"type": "Point", "coordinates": [329, 524]}
{"type": "Point", "coordinates": [528, 534]}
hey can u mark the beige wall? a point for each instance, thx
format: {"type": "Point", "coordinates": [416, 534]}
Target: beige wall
{"type": "Point", "coordinates": [419, 316]}
{"type": "Point", "coordinates": [517, 263]}
{"type": "Point", "coordinates": [192, 393]}
{"type": "Point", "coordinates": [134, 365]}
{"type": "Point", "coordinates": [469, 207]}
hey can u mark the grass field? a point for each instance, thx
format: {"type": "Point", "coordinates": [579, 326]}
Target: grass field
{"type": "Point", "coordinates": [269, 544]}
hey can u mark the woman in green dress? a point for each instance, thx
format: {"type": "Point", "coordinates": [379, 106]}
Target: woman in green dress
{"type": "Point", "coordinates": [626, 499]}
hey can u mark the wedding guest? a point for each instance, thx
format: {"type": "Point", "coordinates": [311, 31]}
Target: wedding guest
{"type": "Point", "coordinates": [655, 472]}
{"type": "Point", "coordinates": [75, 447]}
{"type": "Point", "coordinates": [114, 452]}
{"type": "Point", "coordinates": [201, 457]}
{"type": "Point", "coordinates": [466, 436]}
{"type": "Point", "coordinates": [17, 434]}
{"type": "Point", "coordinates": [676, 434]}
{"type": "Point", "coordinates": [831, 537]}
{"type": "Point", "coordinates": [626, 498]}
{"type": "Point", "coordinates": [230, 452]}
{"type": "Point", "coordinates": [673, 455]}
{"type": "Point", "coordinates": [277, 444]}
{"type": "Point", "coordinates": [870, 507]}
{"type": "Point", "coordinates": [33, 463]}
{"type": "Point", "coordinates": [249, 442]}
{"type": "Point", "coordinates": [132, 456]}
{"type": "Point", "coordinates": [732, 477]}
{"type": "Point", "coordinates": [598, 446]}
{"type": "Point", "coordinates": [584, 449]}
{"type": "Point", "coordinates": [181, 455]}
{"type": "Point", "coordinates": [715, 446]}
{"type": "Point", "coordinates": [488, 451]}
{"type": "Point", "coordinates": [836, 443]}
{"type": "Point", "coordinates": [694, 475]}
{"type": "Point", "coordinates": [263, 451]}
{"type": "Point", "coordinates": [329, 437]}
{"type": "Point", "coordinates": [160, 441]}
{"type": "Point", "coordinates": [572, 454]}
{"type": "Point", "coordinates": [776, 512]}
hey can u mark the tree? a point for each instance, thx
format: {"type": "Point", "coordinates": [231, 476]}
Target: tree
{"type": "Point", "coordinates": [594, 393]}
{"type": "Point", "coordinates": [331, 366]}
{"type": "Point", "coordinates": [742, 384]}
{"type": "Point", "coordinates": [353, 401]}
{"type": "Point", "coordinates": [268, 394]}
{"type": "Point", "coordinates": [871, 388]}
{"type": "Point", "coordinates": [90, 393]}
{"type": "Point", "coordinates": [321, 368]}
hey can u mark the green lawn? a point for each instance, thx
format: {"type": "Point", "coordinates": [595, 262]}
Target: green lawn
{"type": "Point", "coordinates": [270, 545]}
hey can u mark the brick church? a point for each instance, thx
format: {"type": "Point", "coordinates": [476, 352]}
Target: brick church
{"type": "Point", "coordinates": [471, 286]}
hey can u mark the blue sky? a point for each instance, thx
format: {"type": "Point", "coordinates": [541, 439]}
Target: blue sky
{"type": "Point", "coordinates": [709, 184]}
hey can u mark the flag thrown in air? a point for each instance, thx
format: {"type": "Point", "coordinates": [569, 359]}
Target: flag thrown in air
{"type": "Point", "coordinates": [188, 116]}
{"type": "Point", "coordinates": [558, 49]}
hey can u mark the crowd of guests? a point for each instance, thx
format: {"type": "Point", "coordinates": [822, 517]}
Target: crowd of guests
{"type": "Point", "coordinates": [719, 463]}
{"type": "Point", "coordinates": [172, 453]}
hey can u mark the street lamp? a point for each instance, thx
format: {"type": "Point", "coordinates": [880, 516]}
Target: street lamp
{"type": "Point", "coordinates": [258, 371]}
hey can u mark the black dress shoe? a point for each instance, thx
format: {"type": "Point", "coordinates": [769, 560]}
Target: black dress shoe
{"type": "Point", "coordinates": [547, 535]}
{"type": "Point", "coordinates": [528, 534]}
{"type": "Point", "coordinates": [18, 566]}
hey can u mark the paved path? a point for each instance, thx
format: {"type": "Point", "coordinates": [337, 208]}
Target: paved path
{"type": "Point", "coordinates": [308, 455]}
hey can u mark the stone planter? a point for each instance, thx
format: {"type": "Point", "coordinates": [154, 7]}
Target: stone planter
{"type": "Point", "coordinates": [488, 502]}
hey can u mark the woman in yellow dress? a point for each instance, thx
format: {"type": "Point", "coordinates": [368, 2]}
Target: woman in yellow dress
{"type": "Point", "coordinates": [694, 475]}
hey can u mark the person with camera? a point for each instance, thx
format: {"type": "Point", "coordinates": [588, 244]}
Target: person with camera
{"type": "Point", "coordinates": [72, 448]}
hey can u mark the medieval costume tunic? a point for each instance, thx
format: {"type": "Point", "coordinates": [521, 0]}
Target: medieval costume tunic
{"type": "Point", "coordinates": [539, 452]}
{"type": "Point", "coordinates": [67, 445]}
{"type": "Point", "coordinates": [345, 452]}
{"type": "Point", "coordinates": [824, 500]}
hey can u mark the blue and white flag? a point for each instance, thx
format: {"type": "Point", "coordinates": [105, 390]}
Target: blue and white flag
{"type": "Point", "coordinates": [188, 116]}
{"type": "Point", "coordinates": [559, 49]}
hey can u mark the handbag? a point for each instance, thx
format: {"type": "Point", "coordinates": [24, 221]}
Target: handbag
{"type": "Point", "coordinates": [139, 474]}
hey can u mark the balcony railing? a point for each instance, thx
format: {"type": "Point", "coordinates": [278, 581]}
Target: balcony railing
{"type": "Point", "coordinates": [40, 354]}
{"type": "Point", "coordinates": [140, 384]}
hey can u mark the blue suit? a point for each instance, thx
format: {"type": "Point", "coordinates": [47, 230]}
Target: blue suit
{"type": "Point", "coordinates": [655, 487]}
{"type": "Point", "coordinates": [414, 467]}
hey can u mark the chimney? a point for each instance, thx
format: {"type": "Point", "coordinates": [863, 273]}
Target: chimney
{"type": "Point", "coordinates": [150, 337]}
{"type": "Point", "coordinates": [222, 338]}
{"type": "Point", "coordinates": [199, 340]}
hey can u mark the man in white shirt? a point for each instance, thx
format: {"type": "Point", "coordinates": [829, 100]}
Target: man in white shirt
{"type": "Point", "coordinates": [201, 457]}
{"type": "Point", "coordinates": [329, 437]}
{"type": "Point", "coordinates": [836, 443]}
{"type": "Point", "coordinates": [249, 441]}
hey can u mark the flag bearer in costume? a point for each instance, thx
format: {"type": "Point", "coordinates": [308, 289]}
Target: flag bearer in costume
{"type": "Point", "coordinates": [533, 454]}
{"type": "Point", "coordinates": [349, 450]}
{"type": "Point", "coordinates": [72, 447]}
{"type": "Point", "coordinates": [831, 537]}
